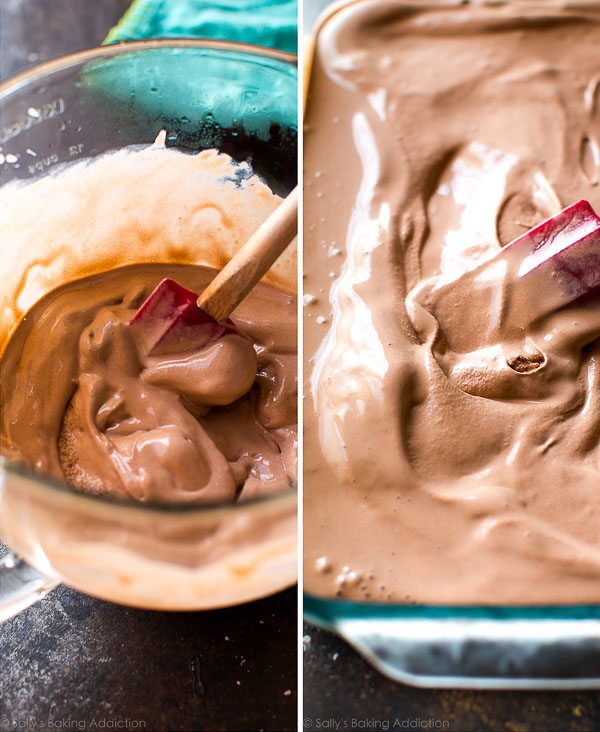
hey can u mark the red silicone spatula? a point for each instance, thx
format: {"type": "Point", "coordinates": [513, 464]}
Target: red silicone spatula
{"type": "Point", "coordinates": [564, 250]}
{"type": "Point", "coordinates": [545, 269]}
{"type": "Point", "coordinates": [170, 321]}
{"type": "Point", "coordinates": [174, 319]}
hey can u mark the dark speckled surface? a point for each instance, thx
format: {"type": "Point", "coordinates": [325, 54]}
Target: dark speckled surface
{"type": "Point", "coordinates": [73, 662]}
{"type": "Point", "coordinates": [71, 657]}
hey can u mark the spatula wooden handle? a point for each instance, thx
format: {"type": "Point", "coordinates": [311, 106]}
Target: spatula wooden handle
{"type": "Point", "coordinates": [252, 261]}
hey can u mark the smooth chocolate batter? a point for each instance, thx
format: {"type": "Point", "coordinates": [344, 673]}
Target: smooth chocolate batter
{"type": "Point", "coordinates": [80, 401]}
{"type": "Point", "coordinates": [435, 134]}
{"type": "Point", "coordinates": [80, 398]}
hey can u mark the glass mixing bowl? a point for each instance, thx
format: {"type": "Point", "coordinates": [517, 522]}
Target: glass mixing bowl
{"type": "Point", "coordinates": [243, 101]}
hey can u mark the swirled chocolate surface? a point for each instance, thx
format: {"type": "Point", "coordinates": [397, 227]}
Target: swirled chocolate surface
{"type": "Point", "coordinates": [467, 472]}
{"type": "Point", "coordinates": [82, 402]}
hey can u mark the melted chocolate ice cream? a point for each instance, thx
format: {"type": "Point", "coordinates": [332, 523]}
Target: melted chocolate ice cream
{"type": "Point", "coordinates": [81, 401]}
{"type": "Point", "coordinates": [464, 469]}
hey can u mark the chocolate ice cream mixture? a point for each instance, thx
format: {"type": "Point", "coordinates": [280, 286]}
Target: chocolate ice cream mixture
{"type": "Point", "coordinates": [452, 418]}
{"type": "Point", "coordinates": [82, 399]}
{"type": "Point", "coordinates": [81, 402]}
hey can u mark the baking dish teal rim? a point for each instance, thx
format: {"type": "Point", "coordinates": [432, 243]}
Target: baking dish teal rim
{"type": "Point", "coordinates": [325, 609]}
{"type": "Point", "coordinates": [474, 646]}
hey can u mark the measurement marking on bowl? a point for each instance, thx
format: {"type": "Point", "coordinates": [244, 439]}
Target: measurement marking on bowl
{"type": "Point", "coordinates": [41, 165]}
{"type": "Point", "coordinates": [47, 111]}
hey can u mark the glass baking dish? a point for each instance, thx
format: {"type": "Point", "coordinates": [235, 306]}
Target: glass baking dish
{"type": "Point", "coordinates": [476, 647]}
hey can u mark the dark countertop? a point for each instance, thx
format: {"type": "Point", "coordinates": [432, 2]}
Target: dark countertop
{"type": "Point", "coordinates": [72, 657]}
{"type": "Point", "coordinates": [75, 659]}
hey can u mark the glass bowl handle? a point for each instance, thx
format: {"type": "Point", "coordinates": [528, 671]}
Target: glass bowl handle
{"type": "Point", "coordinates": [20, 585]}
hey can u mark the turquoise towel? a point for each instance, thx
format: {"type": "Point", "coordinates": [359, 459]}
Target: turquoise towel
{"type": "Point", "coordinates": [271, 23]}
{"type": "Point", "coordinates": [198, 93]}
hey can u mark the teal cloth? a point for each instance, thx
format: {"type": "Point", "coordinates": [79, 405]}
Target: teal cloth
{"type": "Point", "coordinates": [200, 91]}
{"type": "Point", "coordinates": [271, 23]}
